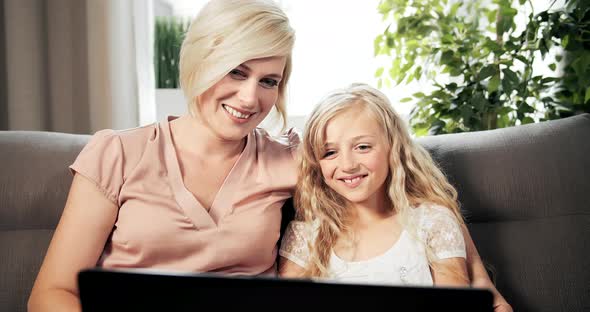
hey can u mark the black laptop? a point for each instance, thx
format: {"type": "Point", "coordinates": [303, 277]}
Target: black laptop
{"type": "Point", "coordinates": [141, 290]}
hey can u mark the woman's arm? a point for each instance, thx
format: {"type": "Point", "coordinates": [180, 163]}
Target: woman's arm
{"type": "Point", "coordinates": [450, 272]}
{"type": "Point", "coordinates": [78, 241]}
{"type": "Point", "coordinates": [479, 275]}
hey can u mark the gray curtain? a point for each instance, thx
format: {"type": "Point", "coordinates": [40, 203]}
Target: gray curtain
{"type": "Point", "coordinates": [3, 104]}
{"type": "Point", "coordinates": [70, 65]}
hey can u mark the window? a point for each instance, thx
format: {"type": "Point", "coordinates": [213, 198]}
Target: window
{"type": "Point", "coordinates": [334, 48]}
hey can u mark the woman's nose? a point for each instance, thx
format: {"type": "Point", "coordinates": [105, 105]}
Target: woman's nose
{"type": "Point", "coordinates": [247, 94]}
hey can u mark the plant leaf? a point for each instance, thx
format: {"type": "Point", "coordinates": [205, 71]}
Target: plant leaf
{"type": "Point", "coordinates": [487, 72]}
{"type": "Point", "coordinates": [379, 72]}
{"type": "Point", "coordinates": [494, 83]}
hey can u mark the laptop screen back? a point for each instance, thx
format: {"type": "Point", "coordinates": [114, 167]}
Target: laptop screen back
{"type": "Point", "coordinates": [105, 290]}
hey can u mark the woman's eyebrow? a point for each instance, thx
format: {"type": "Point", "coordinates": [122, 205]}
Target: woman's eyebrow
{"type": "Point", "coordinates": [276, 76]}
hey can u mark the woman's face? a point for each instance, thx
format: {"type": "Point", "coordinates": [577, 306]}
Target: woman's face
{"type": "Point", "coordinates": [241, 100]}
{"type": "Point", "coordinates": [355, 162]}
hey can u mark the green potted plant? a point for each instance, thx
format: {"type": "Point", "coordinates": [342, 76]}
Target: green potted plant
{"type": "Point", "coordinates": [169, 33]}
{"type": "Point", "coordinates": [488, 63]}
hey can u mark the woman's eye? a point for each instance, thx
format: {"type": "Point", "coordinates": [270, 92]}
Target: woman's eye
{"type": "Point", "coordinates": [269, 83]}
{"type": "Point", "coordinates": [237, 74]}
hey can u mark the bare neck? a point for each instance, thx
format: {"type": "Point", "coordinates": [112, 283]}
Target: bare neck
{"type": "Point", "coordinates": [192, 137]}
{"type": "Point", "coordinates": [369, 212]}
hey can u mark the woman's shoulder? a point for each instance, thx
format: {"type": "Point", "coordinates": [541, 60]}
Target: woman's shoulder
{"type": "Point", "coordinates": [286, 139]}
{"type": "Point", "coordinates": [284, 144]}
{"type": "Point", "coordinates": [128, 140]}
{"type": "Point", "coordinates": [136, 135]}
{"type": "Point", "coordinates": [118, 146]}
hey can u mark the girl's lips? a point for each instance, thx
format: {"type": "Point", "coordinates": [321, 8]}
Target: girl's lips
{"type": "Point", "coordinates": [353, 181]}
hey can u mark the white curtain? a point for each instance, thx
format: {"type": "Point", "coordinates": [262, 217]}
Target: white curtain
{"type": "Point", "coordinates": [78, 65]}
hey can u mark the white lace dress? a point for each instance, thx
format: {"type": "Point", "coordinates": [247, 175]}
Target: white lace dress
{"type": "Point", "coordinates": [405, 263]}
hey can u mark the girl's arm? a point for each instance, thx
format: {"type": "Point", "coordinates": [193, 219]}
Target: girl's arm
{"type": "Point", "coordinates": [86, 222]}
{"type": "Point", "coordinates": [479, 275]}
{"type": "Point", "coordinates": [450, 272]}
{"type": "Point", "coordinates": [288, 268]}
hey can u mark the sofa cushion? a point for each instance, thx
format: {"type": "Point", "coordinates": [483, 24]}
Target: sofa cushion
{"type": "Point", "coordinates": [34, 182]}
{"type": "Point", "coordinates": [524, 192]}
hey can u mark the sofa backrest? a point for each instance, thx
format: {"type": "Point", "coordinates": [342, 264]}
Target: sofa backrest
{"type": "Point", "coordinates": [34, 182]}
{"type": "Point", "coordinates": [524, 192]}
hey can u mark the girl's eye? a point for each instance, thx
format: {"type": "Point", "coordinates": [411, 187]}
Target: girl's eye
{"type": "Point", "coordinates": [269, 83]}
{"type": "Point", "coordinates": [238, 74]}
{"type": "Point", "coordinates": [364, 147]}
{"type": "Point", "coordinates": [328, 154]}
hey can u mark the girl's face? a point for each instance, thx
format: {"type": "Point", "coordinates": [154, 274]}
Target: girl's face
{"type": "Point", "coordinates": [240, 101]}
{"type": "Point", "coordinates": [355, 163]}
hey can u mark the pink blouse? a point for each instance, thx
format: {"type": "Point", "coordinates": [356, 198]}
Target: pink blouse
{"type": "Point", "coordinates": [161, 225]}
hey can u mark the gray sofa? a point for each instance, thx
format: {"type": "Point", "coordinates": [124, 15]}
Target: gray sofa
{"type": "Point", "coordinates": [523, 190]}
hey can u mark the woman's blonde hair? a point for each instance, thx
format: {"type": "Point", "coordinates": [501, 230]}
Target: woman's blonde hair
{"type": "Point", "coordinates": [227, 33]}
{"type": "Point", "coordinates": [413, 177]}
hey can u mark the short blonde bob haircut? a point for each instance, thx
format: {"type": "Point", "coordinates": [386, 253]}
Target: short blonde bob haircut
{"type": "Point", "coordinates": [227, 33]}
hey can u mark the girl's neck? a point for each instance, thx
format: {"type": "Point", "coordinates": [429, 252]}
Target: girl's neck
{"type": "Point", "coordinates": [369, 212]}
{"type": "Point", "coordinates": [193, 137]}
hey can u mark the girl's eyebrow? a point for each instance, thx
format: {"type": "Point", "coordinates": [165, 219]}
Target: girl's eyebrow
{"type": "Point", "coordinates": [276, 76]}
{"type": "Point", "coordinates": [362, 136]}
{"type": "Point", "coordinates": [353, 139]}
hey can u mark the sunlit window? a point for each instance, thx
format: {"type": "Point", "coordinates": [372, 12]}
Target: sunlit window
{"type": "Point", "coordinates": [334, 47]}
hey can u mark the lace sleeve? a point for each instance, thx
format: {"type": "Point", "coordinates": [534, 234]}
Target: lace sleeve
{"type": "Point", "coordinates": [294, 243]}
{"type": "Point", "coordinates": [442, 233]}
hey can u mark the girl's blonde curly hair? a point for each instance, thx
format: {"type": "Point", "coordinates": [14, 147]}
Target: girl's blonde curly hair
{"type": "Point", "coordinates": [413, 176]}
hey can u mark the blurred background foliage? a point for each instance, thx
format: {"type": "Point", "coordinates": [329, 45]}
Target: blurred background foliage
{"type": "Point", "coordinates": [169, 34]}
{"type": "Point", "coordinates": [488, 63]}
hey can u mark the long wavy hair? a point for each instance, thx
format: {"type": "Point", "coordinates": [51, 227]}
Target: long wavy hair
{"type": "Point", "coordinates": [413, 176]}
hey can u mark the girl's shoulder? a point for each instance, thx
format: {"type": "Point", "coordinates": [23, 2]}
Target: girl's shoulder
{"type": "Point", "coordinates": [298, 237]}
{"type": "Point", "coordinates": [439, 228]}
{"type": "Point", "coordinates": [429, 210]}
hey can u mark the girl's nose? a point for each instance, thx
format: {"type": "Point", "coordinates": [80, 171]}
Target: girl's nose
{"type": "Point", "coordinates": [348, 162]}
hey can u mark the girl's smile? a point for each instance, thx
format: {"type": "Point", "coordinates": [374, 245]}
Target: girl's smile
{"type": "Point", "coordinates": [355, 157]}
{"type": "Point", "coordinates": [353, 181]}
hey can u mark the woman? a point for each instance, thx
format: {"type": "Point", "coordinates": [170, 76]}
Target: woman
{"type": "Point", "coordinates": [182, 194]}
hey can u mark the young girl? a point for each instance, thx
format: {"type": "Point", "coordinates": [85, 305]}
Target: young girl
{"type": "Point", "coordinates": [372, 205]}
